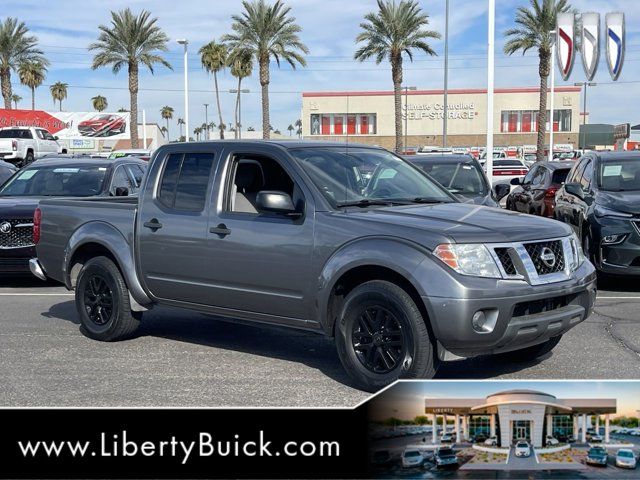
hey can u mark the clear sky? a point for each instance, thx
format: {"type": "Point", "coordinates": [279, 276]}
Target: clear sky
{"type": "Point", "coordinates": [66, 27]}
{"type": "Point", "coordinates": [405, 400]}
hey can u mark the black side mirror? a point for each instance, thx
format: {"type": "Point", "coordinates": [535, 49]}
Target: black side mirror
{"type": "Point", "coordinates": [122, 192]}
{"type": "Point", "coordinates": [501, 190]}
{"type": "Point", "coordinates": [276, 202]}
{"type": "Point", "coordinates": [56, 138]}
{"type": "Point", "coordinates": [516, 181]}
{"type": "Point", "coordinates": [574, 189]}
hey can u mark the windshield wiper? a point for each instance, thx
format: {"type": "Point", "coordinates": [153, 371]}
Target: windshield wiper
{"type": "Point", "coordinates": [365, 202]}
{"type": "Point", "coordinates": [428, 200]}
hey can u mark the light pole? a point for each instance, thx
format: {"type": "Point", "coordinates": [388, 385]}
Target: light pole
{"type": "Point", "coordinates": [406, 114]}
{"type": "Point", "coordinates": [583, 136]}
{"type": "Point", "coordinates": [206, 120]}
{"type": "Point", "coordinates": [446, 75]}
{"type": "Point", "coordinates": [490, 87]}
{"type": "Point", "coordinates": [185, 43]}
{"type": "Point", "coordinates": [553, 90]}
{"type": "Point", "coordinates": [239, 125]}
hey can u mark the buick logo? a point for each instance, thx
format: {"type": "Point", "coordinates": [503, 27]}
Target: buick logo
{"type": "Point", "coordinates": [5, 227]}
{"type": "Point", "coordinates": [590, 43]}
{"type": "Point", "coordinates": [548, 257]}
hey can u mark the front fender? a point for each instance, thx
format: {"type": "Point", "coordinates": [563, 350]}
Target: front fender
{"type": "Point", "coordinates": [111, 238]}
{"type": "Point", "coordinates": [397, 254]}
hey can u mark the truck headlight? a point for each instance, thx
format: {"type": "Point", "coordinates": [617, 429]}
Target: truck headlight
{"type": "Point", "coordinates": [468, 259]}
{"type": "Point", "coordinates": [577, 255]}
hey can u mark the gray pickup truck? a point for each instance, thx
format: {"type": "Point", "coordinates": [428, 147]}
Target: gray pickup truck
{"type": "Point", "coordinates": [349, 241]}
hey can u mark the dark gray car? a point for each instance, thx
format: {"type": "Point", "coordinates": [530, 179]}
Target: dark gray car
{"type": "Point", "coordinates": [348, 241]}
{"type": "Point", "coordinates": [463, 176]}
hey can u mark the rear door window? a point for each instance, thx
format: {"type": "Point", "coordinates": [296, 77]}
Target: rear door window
{"type": "Point", "coordinates": [184, 181]}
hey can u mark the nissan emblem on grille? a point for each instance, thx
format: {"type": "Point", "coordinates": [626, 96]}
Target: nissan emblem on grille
{"type": "Point", "coordinates": [5, 227]}
{"type": "Point", "coordinates": [548, 257]}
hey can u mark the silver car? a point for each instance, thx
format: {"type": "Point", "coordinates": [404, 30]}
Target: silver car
{"type": "Point", "coordinates": [523, 449]}
{"type": "Point", "coordinates": [625, 458]}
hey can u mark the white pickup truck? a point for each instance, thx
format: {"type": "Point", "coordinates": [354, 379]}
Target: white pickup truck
{"type": "Point", "coordinates": [23, 145]}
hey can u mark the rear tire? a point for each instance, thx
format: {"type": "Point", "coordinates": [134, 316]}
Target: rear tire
{"type": "Point", "coordinates": [102, 301]}
{"type": "Point", "coordinates": [533, 352]}
{"type": "Point", "coordinates": [381, 336]}
{"type": "Point", "coordinates": [28, 159]}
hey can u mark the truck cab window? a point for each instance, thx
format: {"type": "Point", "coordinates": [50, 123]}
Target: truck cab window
{"type": "Point", "coordinates": [253, 174]}
{"type": "Point", "coordinates": [184, 181]}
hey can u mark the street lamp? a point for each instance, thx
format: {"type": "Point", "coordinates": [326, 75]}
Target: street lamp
{"type": "Point", "coordinates": [185, 43]}
{"type": "Point", "coordinates": [584, 111]}
{"type": "Point", "coordinates": [206, 120]}
{"type": "Point", "coordinates": [239, 125]}
{"type": "Point", "coordinates": [406, 113]}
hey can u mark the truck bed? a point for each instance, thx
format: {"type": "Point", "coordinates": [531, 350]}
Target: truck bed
{"type": "Point", "coordinates": [61, 218]}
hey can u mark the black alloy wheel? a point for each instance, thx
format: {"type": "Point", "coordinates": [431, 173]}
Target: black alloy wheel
{"type": "Point", "coordinates": [378, 339]}
{"type": "Point", "coordinates": [98, 300]}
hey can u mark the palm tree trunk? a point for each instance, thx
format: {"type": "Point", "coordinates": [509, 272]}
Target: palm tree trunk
{"type": "Point", "coordinates": [264, 83]}
{"type": "Point", "coordinates": [238, 106]}
{"type": "Point", "coordinates": [33, 98]}
{"type": "Point", "coordinates": [60, 104]}
{"type": "Point", "coordinates": [133, 92]}
{"type": "Point", "coordinates": [396, 72]}
{"type": "Point", "coordinates": [542, 111]}
{"type": "Point", "coordinates": [215, 80]}
{"type": "Point", "coordinates": [167, 130]}
{"type": "Point", "coordinates": [5, 81]}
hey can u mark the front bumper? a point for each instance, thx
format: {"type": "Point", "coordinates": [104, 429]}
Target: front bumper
{"type": "Point", "coordinates": [524, 315]}
{"type": "Point", "coordinates": [594, 461]}
{"type": "Point", "coordinates": [622, 258]}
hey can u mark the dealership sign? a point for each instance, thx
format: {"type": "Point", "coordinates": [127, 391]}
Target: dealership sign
{"type": "Point", "coordinates": [590, 41]}
{"type": "Point", "coordinates": [71, 125]}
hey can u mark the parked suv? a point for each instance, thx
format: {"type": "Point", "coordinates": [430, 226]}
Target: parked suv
{"type": "Point", "coordinates": [536, 193]}
{"type": "Point", "coordinates": [601, 202]}
{"type": "Point", "coordinates": [390, 265]}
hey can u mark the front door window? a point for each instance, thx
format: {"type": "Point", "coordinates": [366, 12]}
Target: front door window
{"type": "Point", "coordinates": [521, 430]}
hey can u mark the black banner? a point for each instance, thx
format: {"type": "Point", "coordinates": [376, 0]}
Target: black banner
{"type": "Point", "coordinates": [163, 443]}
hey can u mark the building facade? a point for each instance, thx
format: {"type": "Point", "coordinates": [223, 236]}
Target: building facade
{"type": "Point", "coordinates": [521, 414]}
{"type": "Point", "coordinates": [368, 117]}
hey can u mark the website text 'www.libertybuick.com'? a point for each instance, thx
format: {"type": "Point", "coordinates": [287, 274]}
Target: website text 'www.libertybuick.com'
{"type": "Point", "coordinates": [204, 444]}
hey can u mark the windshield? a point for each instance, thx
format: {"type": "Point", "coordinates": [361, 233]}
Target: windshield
{"type": "Point", "coordinates": [37, 181]}
{"type": "Point", "coordinates": [522, 445]}
{"type": "Point", "coordinates": [619, 175]}
{"type": "Point", "coordinates": [445, 452]}
{"type": "Point", "coordinates": [464, 178]}
{"type": "Point", "coordinates": [597, 451]}
{"type": "Point", "coordinates": [366, 176]}
{"type": "Point", "coordinates": [412, 453]}
{"type": "Point", "coordinates": [625, 453]}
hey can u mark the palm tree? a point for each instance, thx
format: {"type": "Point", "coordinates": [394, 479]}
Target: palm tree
{"type": "Point", "coordinates": [166, 112]}
{"type": "Point", "coordinates": [213, 56]}
{"type": "Point", "coordinates": [395, 29]}
{"type": "Point", "coordinates": [298, 125]}
{"type": "Point", "coordinates": [533, 29]}
{"type": "Point", "coordinates": [58, 92]}
{"type": "Point", "coordinates": [291, 129]}
{"type": "Point", "coordinates": [241, 63]}
{"type": "Point", "coordinates": [197, 131]}
{"type": "Point", "coordinates": [32, 74]}
{"type": "Point", "coordinates": [165, 131]}
{"type": "Point", "coordinates": [267, 30]}
{"type": "Point", "coordinates": [16, 48]}
{"type": "Point", "coordinates": [131, 40]}
{"type": "Point", "coordinates": [251, 129]}
{"type": "Point", "coordinates": [15, 98]}
{"type": "Point", "coordinates": [99, 103]}
{"type": "Point", "coordinates": [123, 109]}
{"type": "Point", "coordinates": [180, 123]}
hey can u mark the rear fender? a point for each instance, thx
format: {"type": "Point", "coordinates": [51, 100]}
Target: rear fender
{"type": "Point", "coordinates": [111, 239]}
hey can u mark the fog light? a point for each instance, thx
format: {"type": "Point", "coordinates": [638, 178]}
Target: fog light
{"type": "Point", "coordinates": [613, 239]}
{"type": "Point", "coordinates": [484, 321]}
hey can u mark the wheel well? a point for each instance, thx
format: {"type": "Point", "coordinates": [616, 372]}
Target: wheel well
{"type": "Point", "coordinates": [29, 150]}
{"type": "Point", "coordinates": [366, 273]}
{"type": "Point", "coordinates": [85, 253]}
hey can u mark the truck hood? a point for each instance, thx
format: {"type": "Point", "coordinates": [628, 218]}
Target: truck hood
{"type": "Point", "coordinates": [628, 202]}
{"type": "Point", "coordinates": [464, 223]}
{"type": "Point", "coordinates": [18, 207]}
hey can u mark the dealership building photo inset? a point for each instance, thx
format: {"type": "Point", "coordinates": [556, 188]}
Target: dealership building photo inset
{"type": "Point", "coordinates": [522, 414]}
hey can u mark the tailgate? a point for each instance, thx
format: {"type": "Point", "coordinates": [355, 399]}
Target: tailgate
{"type": "Point", "coordinates": [6, 145]}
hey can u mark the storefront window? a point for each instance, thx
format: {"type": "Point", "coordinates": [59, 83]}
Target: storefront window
{"type": "Point", "coordinates": [479, 425]}
{"type": "Point", "coordinates": [343, 124]}
{"type": "Point", "coordinates": [562, 426]}
{"type": "Point", "coordinates": [526, 121]}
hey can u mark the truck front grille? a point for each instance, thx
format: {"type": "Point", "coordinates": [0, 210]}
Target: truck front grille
{"type": "Point", "coordinates": [16, 233]}
{"type": "Point", "coordinates": [538, 251]}
{"type": "Point", "coordinates": [506, 261]}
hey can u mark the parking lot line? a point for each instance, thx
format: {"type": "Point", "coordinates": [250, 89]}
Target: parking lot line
{"type": "Point", "coordinates": [619, 298]}
{"type": "Point", "coordinates": [7, 294]}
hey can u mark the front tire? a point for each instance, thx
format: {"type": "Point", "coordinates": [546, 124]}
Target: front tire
{"type": "Point", "coordinates": [381, 336]}
{"type": "Point", "coordinates": [533, 352]}
{"type": "Point", "coordinates": [102, 301]}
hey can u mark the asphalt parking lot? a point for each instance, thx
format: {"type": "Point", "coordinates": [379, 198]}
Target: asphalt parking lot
{"type": "Point", "coordinates": [188, 359]}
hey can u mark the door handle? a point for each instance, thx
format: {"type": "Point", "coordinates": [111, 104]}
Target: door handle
{"type": "Point", "coordinates": [221, 230]}
{"type": "Point", "coordinates": [154, 224]}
